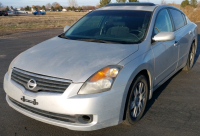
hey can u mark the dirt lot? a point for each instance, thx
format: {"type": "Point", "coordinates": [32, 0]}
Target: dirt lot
{"type": "Point", "coordinates": [14, 24]}
{"type": "Point", "coordinates": [173, 110]}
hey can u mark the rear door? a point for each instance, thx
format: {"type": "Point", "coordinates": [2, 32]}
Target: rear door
{"type": "Point", "coordinates": [165, 53]}
{"type": "Point", "coordinates": [183, 36]}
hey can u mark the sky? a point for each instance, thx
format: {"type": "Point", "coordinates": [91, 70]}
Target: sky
{"type": "Point", "coordinates": [22, 3]}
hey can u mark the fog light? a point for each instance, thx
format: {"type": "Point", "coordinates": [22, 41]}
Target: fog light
{"type": "Point", "coordinates": [85, 119]}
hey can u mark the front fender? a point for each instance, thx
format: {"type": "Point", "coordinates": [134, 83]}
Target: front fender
{"type": "Point", "coordinates": [131, 70]}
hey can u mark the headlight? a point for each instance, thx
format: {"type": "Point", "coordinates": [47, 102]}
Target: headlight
{"type": "Point", "coordinates": [101, 81]}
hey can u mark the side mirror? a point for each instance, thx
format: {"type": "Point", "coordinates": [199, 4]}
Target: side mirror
{"type": "Point", "coordinates": [164, 36]}
{"type": "Point", "coordinates": [66, 28]}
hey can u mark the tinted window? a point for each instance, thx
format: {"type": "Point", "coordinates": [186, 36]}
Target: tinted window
{"type": "Point", "coordinates": [163, 22]}
{"type": "Point", "coordinates": [178, 18]}
{"type": "Point", "coordinates": [184, 19]}
{"type": "Point", "coordinates": [188, 21]}
{"type": "Point", "coordinates": [122, 26]}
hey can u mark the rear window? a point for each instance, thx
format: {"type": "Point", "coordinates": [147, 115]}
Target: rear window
{"type": "Point", "coordinates": [178, 18]}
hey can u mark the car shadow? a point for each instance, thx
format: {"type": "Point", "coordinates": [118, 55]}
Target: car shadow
{"type": "Point", "coordinates": [158, 91]}
{"type": "Point", "coordinates": [198, 50]}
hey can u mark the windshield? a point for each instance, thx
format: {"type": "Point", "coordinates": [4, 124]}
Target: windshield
{"type": "Point", "coordinates": [118, 26]}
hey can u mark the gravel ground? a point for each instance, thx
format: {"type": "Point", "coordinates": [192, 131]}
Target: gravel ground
{"type": "Point", "coordinates": [173, 110]}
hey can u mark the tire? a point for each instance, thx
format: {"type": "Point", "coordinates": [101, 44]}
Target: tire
{"type": "Point", "coordinates": [134, 100]}
{"type": "Point", "coordinates": [191, 57]}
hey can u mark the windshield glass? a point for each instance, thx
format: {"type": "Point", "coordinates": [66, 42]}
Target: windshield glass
{"type": "Point", "coordinates": [119, 26]}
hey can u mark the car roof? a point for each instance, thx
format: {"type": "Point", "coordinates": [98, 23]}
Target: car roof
{"type": "Point", "coordinates": [132, 4]}
{"type": "Point", "coordinates": [142, 6]}
{"type": "Point", "coordinates": [139, 6]}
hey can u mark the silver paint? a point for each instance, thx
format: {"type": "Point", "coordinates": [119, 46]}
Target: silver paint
{"type": "Point", "coordinates": [78, 60]}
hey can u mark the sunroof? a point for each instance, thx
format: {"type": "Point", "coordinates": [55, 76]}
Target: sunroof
{"type": "Point", "coordinates": [132, 4]}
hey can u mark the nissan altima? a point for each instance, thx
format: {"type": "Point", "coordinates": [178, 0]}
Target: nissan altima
{"type": "Point", "coordinates": [103, 69]}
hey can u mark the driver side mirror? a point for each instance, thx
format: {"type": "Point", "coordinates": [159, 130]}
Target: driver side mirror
{"type": "Point", "coordinates": [66, 28]}
{"type": "Point", "coordinates": [164, 36]}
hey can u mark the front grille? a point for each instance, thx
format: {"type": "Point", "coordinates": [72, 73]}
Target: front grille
{"type": "Point", "coordinates": [61, 117]}
{"type": "Point", "coordinates": [43, 83]}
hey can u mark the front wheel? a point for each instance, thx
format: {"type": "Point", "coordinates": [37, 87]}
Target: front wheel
{"type": "Point", "coordinates": [136, 100]}
{"type": "Point", "coordinates": [190, 60]}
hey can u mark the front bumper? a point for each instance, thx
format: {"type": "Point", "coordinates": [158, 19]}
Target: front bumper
{"type": "Point", "coordinates": [104, 107]}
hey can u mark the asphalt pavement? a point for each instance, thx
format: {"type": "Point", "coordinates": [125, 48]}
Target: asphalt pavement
{"type": "Point", "coordinates": [173, 110]}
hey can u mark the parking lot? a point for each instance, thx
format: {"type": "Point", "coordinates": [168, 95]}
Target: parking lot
{"type": "Point", "coordinates": [173, 110]}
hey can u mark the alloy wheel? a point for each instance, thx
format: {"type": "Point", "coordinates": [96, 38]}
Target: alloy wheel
{"type": "Point", "coordinates": [138, 100]}
{"type": "Point", "coordinates": [192, 56]}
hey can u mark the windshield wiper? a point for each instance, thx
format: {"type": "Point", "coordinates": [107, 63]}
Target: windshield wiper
{"type": "Point", "coordinates": [63, 36]}
{"type": "Point", "coordinates": [96, 40]}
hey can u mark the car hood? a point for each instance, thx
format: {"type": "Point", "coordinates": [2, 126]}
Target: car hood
{"type": "Point", "coordinates": [71, 59]}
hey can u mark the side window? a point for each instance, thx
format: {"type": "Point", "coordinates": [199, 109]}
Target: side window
{"type": "Point", "coordinates": [163, 22]}
{"type": "Point", "coordinates": [178, 18]}
{"type": "Point", "coordinates": [184, 19]}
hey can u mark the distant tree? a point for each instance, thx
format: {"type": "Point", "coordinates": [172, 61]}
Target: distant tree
{"type": "Point", "coordinates": [27, 8]}
{"type": "Point", "coordinates": [52, 8]}
{"type": "Point", "coordinates": [198, 5]}
{"type": "Point", "coordinates": [22, 8]}
{"type": "Point", "coordinates": [163, 2]}
{"type": "Point", "coordinates": [120, 1]}
{"type": "Point", "coordinates": [98, 5]}
{"type": "Point", "coordinates": [34, 7]}
{"type": "Point", "coordinates": [193, 3]}
{"type": "Point", "coordinates": [104, 2]}
{"type": "Point", "coordinates": [60, 7]}
{"type": "Point", "coordinates": [73, 8]}
{"type": "Point", "coordinates": [185, 3]}
{"type": "Point", "coordinates": [48, 6]}
{"type": "Point", "coordinates": [79, 8]}
{"type": "Point", "coordinates": [72, 3]}
{"type": "Point", "coordinates": [55, 4]}
{"type": "Point", "coordinates": [43, 7]}
{"type": "Point", "coordinates": [133, 0]}
{"type": "Point", "coordinates": [38, 7]}
{"type": "Point", "coordinates": [7, 8]}
{"type": "Point", "coordinates": [69, 8]}
{"type": "Point", "coordinates": [11, 7]}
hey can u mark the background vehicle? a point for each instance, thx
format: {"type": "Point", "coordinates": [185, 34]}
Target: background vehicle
{"type": "Point", "coordinates": [102, 70]}
{"type": "Point", "coordinates": [39, 13]}
{"type": "Point", "coordinates": [3, 13]}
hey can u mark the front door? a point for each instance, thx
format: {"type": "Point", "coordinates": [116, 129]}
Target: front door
{"type": "Point", "coordinates": [166, 52]}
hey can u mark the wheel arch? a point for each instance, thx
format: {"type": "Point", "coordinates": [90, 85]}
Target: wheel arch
{"type": "Point", "coordinates": [195, 38]}
{"type": "Point", "coordinates": [195, 44]}
{"type": "Point", "coordinates": [148, 76]}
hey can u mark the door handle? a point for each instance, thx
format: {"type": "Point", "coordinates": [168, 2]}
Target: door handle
{"type": "Point", "coordinates": [176, 43]}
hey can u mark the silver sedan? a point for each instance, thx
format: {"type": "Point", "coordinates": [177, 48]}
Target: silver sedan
{"type": "Point", "coordinates": [102, 70]}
